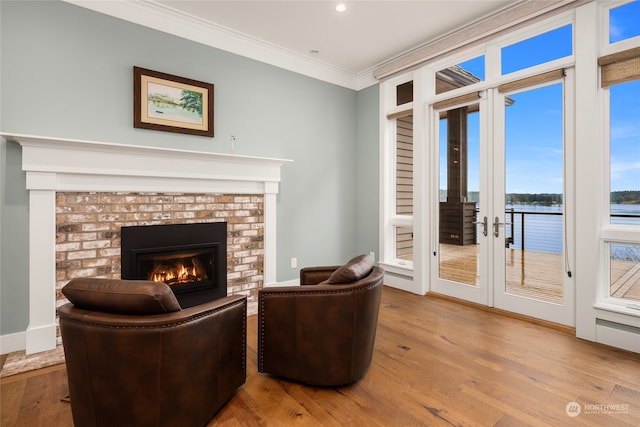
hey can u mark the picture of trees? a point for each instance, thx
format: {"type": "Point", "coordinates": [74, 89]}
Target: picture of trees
{"type": "Point", "coordinates": [169, 103]}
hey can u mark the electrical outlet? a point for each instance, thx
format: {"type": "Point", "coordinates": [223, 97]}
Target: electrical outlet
{"type": "Point", "coordinates": [372, 255]}
{"type": "Point", "coordinates": [294, 262]}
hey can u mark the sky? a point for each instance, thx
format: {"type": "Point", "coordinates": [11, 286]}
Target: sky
{"type": "Point", "coordinates": [624, 23]}
{"type": "Point", "coordinates": [534, 152]}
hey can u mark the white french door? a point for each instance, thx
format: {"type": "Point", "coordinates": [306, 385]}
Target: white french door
{"type": "Point", "coordinates": [500, 198]}
{"type": "Point", "coordinates": [460, 200]}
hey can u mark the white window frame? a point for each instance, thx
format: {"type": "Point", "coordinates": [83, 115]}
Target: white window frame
{"type": "Point", "coordinates": [425, 78]}
{"type": "Point", "coordinates": [389, 218]}
{"type": "Point", "coordinates": [612, 233]}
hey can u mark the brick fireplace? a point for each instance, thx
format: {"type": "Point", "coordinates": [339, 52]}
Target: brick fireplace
{"type": "Point", "coordinates": [78, 190]}
{"type": "Point", "coordinates": [89, 231]}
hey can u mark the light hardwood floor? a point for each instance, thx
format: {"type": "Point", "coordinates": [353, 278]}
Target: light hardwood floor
{"type": "Point", "coordinates": [436, 363]}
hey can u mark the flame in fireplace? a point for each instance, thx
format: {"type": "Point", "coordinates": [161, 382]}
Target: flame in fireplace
{"type": "Point", "coordinates": [178, 272]}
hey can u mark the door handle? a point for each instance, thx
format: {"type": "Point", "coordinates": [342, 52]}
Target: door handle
{"type": "Point", "coordinates": [496, 226]}
{"type": "Point", "coordinates": [485, 225]}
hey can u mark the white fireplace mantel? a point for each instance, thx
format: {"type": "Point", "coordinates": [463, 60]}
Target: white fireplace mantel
{"type": "Point", "coordinates": [55, 164]}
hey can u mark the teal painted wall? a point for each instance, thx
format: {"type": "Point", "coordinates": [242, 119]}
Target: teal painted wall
{"type": "Point", "coordinates": [67, 72]}
{"type": "Point", "coordinates": [368, 205]}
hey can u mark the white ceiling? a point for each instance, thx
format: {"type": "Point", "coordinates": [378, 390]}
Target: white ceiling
{"type": "Point", "coordinates": [284, 33]}
{"type": "Point", "coordinates": [365, 35]}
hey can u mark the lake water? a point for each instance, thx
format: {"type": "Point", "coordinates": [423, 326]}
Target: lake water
{"type": "Point", "coordinates": [173, 113]}
{"type": "Point", "coordinates": [543, 227]}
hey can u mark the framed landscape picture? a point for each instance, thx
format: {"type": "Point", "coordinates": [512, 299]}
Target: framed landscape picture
{"type": "Point", "coordinates": [170, 103]}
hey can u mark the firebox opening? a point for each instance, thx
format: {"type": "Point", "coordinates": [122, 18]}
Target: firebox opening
{"type": "Point", "coordinates": [183, 270]}
{"type": "Point", "coordinates": [174, 271]}
{"type": "Point", "coordinates": [190, 258]}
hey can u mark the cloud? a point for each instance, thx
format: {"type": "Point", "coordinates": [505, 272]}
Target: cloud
{"type": "Point", "coordinates": [625, 166]}
{"type": "Point", "coordinates": [625, 130]}
{"type": "Point", "coordinates": [625, 174]}
{"type": "Point", "coordinates": [615, 31]}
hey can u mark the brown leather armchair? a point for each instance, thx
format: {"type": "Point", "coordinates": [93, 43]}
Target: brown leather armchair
{"type": "Point", "coordinates": [135, 358]}
{"type": "Point", "coordinates": [322, 332]}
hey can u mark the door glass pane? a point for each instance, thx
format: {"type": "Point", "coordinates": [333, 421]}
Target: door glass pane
{"type": "Point", "coordinates": [459, 175]}
{"type": "Point", "coordinates": [623, 22]}
{"type": "Point", "coordinates": [464, 74]}
{"type": "Point", "coordinates": [533, 234]}
{"type": "Point", "coordinates": [625, 153]}
{"type": "Point", "coordinates": [537, 50]}
{"type": "Point", "coordinates": [625, 271]}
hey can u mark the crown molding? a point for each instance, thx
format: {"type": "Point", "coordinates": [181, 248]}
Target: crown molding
{"type": "Point", "coordinates": [522, 13]}
{"type": "Point", "coordinates": [162, 18]}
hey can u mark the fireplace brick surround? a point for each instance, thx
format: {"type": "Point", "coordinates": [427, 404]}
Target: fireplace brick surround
{"type": "Point", "coordinates": [81, 192]}
{"type": "Point", "coordinates": [88, 232]}
{"type": "Point", "coordinates": [88, 242]}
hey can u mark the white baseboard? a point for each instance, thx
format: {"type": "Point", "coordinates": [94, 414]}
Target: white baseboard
{"type": "Point", "coordinates": [404, 283]}
{"type": "Point", "coordinates": [13, 342]}
{"type": "Point", "coordinates": [618, 335]}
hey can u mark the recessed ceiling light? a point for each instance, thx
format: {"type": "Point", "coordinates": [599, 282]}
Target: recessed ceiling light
{"type": "Point", "coordinates": [341, 7]}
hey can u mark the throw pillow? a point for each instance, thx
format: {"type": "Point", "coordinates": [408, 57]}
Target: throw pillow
{"type": "Point", "coordinates": [356, 269]}
{"type": "Point", "coordinates": [121, 296]}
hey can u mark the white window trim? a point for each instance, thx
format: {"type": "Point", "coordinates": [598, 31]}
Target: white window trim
{"type": "Point", "coordinates": [491, 51]}
{"type": "Point", "coordinates": [389, 218]}
{"type": "Point", "coordinates": [611, 233]}
{"type": "Point", "coordinates": [607, 48]}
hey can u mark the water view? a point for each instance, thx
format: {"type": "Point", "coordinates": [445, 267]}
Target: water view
{"type": "Point", "coordinates": [543, 228]}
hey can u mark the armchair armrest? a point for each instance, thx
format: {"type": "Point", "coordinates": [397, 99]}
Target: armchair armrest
{"type": "Point", "coordinates": [315, 275]}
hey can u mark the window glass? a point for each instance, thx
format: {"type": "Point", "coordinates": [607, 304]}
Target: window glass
{"type": "Point", "coordinates": [624, 22]}
{"type": "Point", "coordinates": [625, 271]}
{"type": "Point", "coordinates": [463, 74]}
{"type": "Point", "coordinates": [404, 165]}
{"type": "Point", "coordinates": [404, 186]}
{"type": "Point", "coordinates": [624, 156]}
{"type": "Point", "coordinates": [537, 50]}
{"type": "Point", "coordinates": [404, 93]}
{"type": "Point", "coordinates": [404, 244]}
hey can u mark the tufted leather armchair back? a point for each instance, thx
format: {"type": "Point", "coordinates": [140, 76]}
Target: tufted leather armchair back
{"type": "Point", "coordinates": [134, 357]}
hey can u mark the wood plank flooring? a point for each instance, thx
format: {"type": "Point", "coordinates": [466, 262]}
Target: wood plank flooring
{"type": "Point", "coordinates": [436, 363]}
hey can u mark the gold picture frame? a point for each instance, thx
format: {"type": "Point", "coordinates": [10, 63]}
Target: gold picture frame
{"type": "Point", "coordinates": [171, 103]}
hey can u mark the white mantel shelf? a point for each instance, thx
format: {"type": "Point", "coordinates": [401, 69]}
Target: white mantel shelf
{"type": "Point", "coordinates": [58, 164]}
{"type": "Point", "coordinates": [77, 161]}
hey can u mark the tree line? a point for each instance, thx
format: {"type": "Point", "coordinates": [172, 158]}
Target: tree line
{"type": "Point", "coordinates": [630, 197]}
{"type": "Point", "coordinates": [546, 199]}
